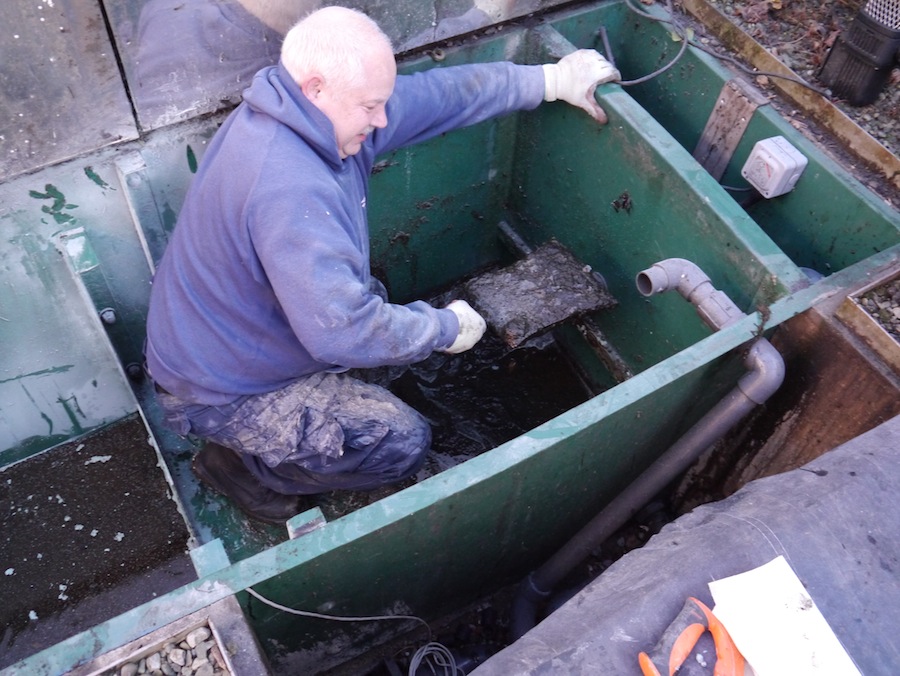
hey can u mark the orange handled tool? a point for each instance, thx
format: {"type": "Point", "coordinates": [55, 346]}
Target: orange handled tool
{"type": "Point", "coordinates": [682, 635]}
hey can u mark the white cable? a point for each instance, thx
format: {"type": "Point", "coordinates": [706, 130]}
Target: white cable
{"type": "Point", "coordinates": [440, 657]}
{"type": "Point", "coordinates": [439, 654]}
{"type": "Point", "coordinates": [337, 618]}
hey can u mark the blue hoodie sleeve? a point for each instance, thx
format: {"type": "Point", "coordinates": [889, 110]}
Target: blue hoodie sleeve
{"type": "Point", "coordinates": [316, 260]}
{"type": "Point", "coordinates": [427, 104]}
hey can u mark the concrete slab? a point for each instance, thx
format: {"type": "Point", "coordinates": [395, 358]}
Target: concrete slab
{"type": "Point", "coordinates": [548, 287]}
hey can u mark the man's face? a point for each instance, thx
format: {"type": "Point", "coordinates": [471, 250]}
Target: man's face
{"type": "Point", "coordinates": [356, 111]}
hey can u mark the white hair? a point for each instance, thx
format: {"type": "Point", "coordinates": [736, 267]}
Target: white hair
{"type": "Point", "coordinates": [334, 42]}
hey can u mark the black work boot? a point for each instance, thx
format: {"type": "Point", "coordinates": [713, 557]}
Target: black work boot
{"type": "Point", "coordinates": [222, 469]}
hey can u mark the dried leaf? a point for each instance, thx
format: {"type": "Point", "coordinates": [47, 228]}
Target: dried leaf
{"type": "Point", "coordinates": [755, 12]}
{"type": "Point", "coordinates": [688, 33]}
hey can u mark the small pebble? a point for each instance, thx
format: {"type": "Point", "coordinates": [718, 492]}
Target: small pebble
{"type": "Point", "coordinates": [178, 657]}
{"type": "Point", "coordinates": [129, 670]}
{"type": "Point", "coordinates": [197, 636]}
{"type": "Point", "coordinates": [154, 662]}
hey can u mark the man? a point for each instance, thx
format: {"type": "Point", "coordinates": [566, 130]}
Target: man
{"type": "Point", "coordinates": [264, 298]}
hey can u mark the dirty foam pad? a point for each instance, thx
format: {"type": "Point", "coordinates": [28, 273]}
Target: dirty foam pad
{"type": "Point", "coordinates": [89, 531]}
{"type": "Point", "coordinates": [547, 288]}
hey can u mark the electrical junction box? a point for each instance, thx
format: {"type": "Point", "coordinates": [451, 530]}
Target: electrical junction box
{"type": "Point", "coordinates": [774, 166]}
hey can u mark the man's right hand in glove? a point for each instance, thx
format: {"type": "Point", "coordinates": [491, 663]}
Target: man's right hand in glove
{"type": "Point", "coordinates": [471, 327]}
{"type": "Point", "coordinates": [575, 77]}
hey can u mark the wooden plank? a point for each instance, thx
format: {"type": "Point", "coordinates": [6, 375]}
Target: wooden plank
{"type": "Point", "coordinates": [726, 125]}
{"type": "Point", "coordinates": [858, 320]}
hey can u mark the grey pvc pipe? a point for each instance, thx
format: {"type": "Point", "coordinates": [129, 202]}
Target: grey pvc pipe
{"type": "Point", "coordinates": [715, 308]}
{"type": "Point", "coordinates": [765, 373]}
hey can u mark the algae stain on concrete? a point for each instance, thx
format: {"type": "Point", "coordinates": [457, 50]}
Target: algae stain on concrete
{"type": "Point", "coordinates": [191, 160]}
{"type": "Point", "coordinates": [95, 177]}
{"type": "Point", "coordinates": [43, 372]}
{"type": "Point", "coordinates": [58, 205]}
{"type": "Point", "coordinates": [73, 411]}
{"type": "Point", "coordinates": [169, 218]}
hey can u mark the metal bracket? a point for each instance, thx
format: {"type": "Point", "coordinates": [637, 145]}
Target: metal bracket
{"type": "Point", "coordinates": [305, 522]}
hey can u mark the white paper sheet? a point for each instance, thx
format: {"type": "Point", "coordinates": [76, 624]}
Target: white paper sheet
{"type": "Point", "coordinates": [776, 625]}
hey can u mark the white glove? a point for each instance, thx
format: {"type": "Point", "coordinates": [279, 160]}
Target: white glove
{"type": "Point", "coordinates": [575, 77]}
{"type": "Point", "coordinates": [471, 327]}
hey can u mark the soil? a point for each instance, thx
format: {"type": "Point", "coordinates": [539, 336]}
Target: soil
{"type": "Point", "coordinates": [89, 531]}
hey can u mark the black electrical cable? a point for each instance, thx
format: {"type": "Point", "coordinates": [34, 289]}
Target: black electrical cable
{"type": "Point", "coordinates": [681, 33]}
{"type": "Point", "coordinates": [656, 73]}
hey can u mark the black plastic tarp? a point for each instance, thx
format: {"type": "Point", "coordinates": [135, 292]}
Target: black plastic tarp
{"type": "Point", "coordinates": [836, 522]}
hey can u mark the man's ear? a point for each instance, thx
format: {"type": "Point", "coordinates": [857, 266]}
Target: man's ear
{"type": "Point", "coordinates": [312, 86]}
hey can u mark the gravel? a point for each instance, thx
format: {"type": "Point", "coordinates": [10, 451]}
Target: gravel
{"type": "Point", "coordinates": [198, 654]}
{"type": "Point", "coordinates": [883, 304]}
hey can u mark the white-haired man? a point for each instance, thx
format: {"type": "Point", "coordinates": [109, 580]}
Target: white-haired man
{"type": "Point", "coordinates": [264, 297]}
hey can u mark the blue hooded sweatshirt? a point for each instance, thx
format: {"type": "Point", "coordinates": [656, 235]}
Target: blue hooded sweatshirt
{"type": "Point", "coordinates": [266, 277]}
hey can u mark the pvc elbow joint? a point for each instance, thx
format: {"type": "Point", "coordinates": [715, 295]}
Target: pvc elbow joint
{"type": "Point", "coordinates": [765, 372]}
{"type": "Point", "coordinates": [715, 308]}
{"type": "Point", "coordinates": [671, 273]}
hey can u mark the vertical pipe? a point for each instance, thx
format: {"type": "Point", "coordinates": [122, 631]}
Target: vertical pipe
{"type": "Point", "coordinates": [765, 373]}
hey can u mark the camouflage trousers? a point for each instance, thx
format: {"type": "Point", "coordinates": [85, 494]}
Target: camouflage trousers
{"type": "Point", "coordinates": [322, 432]}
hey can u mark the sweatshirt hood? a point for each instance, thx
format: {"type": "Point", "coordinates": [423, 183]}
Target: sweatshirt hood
{"type": "Point", "coordinates": [274, 93]}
